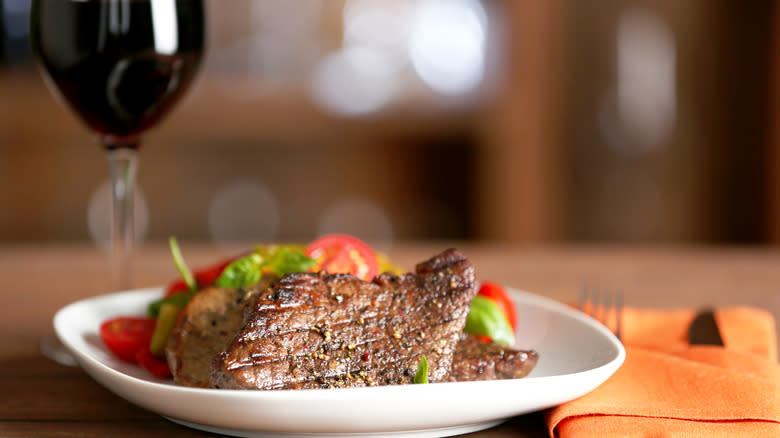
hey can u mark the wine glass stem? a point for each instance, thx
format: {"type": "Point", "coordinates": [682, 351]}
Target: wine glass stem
{"type": "Point", "coordinates": [123, 163]}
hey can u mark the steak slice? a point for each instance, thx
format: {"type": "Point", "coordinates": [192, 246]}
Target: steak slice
{"type": "Point", "coordinates": [335, 330]}
{"type": "Point", "coordinates": [205, 327]}
{"type": "Point", "coordinates": [477, 360]}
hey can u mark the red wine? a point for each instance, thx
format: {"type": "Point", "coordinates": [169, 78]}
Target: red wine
{"type": "Point", "coordinates": [120, 64]}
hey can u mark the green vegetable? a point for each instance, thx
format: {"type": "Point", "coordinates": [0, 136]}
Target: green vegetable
{"type": "Point", "coordinates": [422, 371]}
{"type": "Point", "coordinates": [266, 250]}
{"type": "Point", "coordinates": [486, 318]}
{"type": "Point", "coordinates": [179, 300]}
{"type": "Point", "coordinates": [181, 265]}
{"type": "Point", "coordinates": [286, 260]}
{"type": "Point", "coordinates": [243, 272]}
{"type": "Point", "coordinates": [162, 330]}
{"type": "Point", "coordinates": [248, 270]}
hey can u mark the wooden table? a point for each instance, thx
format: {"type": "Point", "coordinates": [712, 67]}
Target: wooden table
{"type": "Point", "coordinates": [41, 398]}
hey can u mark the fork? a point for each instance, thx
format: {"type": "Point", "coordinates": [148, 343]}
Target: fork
{"type": "Point", "coordinates": [602, 305]}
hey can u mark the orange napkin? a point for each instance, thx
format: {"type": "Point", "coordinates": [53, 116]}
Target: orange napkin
{"type": "Point", "coordinates": [668, 388]}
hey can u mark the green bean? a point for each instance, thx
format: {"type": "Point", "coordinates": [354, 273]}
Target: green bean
{"type": "Point", "coordinates": [166, 320]}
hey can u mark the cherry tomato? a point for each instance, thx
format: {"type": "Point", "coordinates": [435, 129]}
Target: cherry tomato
{"type": "Point", "coordinates": [126, 335]}
{"type": "Point", "coordinates": [204, 277]}
{"type": "Point", "coordinates": [339, 253]}
{"type": "Point", "coordinates": [501, 297]}
{"type": "Point", "coordinates": [158, 367]}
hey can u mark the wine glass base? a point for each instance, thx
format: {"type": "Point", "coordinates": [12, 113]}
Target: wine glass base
{"type": "Point", "coordinates": [52, 348]}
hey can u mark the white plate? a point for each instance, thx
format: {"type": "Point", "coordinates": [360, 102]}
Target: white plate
{"type": "Point", "coordinates": [576, 354]}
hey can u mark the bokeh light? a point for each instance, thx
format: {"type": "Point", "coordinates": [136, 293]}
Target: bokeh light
{"type": "Point", "coordinates": [243, 210]}
{"type": "Point", "coordinates": [447, 44]}
{"type": "Point", "coordinates": [381, 25]}
{"type": "Point", "coordinates": [639, 114]}
{"type": "Point", "coordinates": [358, 217]}
{"type": "Point", "coordinates": [355, 81]}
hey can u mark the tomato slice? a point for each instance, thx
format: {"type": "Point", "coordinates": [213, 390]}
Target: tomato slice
{"type": "Point", "coordinates": [204, 277]}
{"type": "Point", "coordinates": [125, 335]}
{"type": "Point", "coordinates": [177, 287]}
{"type": "Point", "coordinates": [158, 367]}
{"type": "Point", "coordinates": [340, 253]}
{"type": "Point", "coordinates": [501, 297]}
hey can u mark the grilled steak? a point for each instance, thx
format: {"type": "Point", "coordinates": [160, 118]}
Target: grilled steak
{"type": "Point", "coordinates": [205, 327]}
{"type": "Point", "coordinates": [477, 360]}
{"type": "Point", "coordinates": [215, 316]}
{"type": "Point", "coordinates": [323, 330]}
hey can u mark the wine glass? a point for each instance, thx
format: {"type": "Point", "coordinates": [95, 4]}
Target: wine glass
{"type": "Point", "coordinates": [120, 66]}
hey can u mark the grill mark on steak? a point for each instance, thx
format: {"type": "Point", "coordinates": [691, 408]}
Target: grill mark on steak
{"type": "Point", "coordinates": [322, 330]}
{"type": "Point", "coordinates": [315, 325]}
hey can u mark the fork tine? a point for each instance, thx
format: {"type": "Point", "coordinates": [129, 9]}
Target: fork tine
{"type": "Point", "coordinates": [583, 299]}
{"type": "Point", "coordinates": [605, 305]}
{"type": "Point", "coordinates": [602, 305]}
{"type": "Point", "coordinates": [619, 315]}
{"type": "Point", "coordinates": [590, 301]}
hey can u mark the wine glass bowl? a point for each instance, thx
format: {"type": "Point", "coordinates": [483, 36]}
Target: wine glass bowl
{"type": "Point", "coordinates": [120, 66]}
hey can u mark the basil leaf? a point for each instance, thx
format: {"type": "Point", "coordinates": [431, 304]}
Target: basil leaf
{"type": "Point", "coordinates": [286, 260]}
{"type": "Point", "coordinates": [181, 266]}
{"type": "Point", "coordinates": [248, 270]}
{"type": "Point", "coordinates": [242, 272]}
{"type": "Point", "coordinates": [422, 371]}
{"type": "Point", "coordinates": [179, 300]}
{"type": "Point", "coordinates": [486, 318]}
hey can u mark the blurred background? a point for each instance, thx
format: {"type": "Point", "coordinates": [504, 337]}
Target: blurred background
{"type": "Point", "coordinates": [523, 121]}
